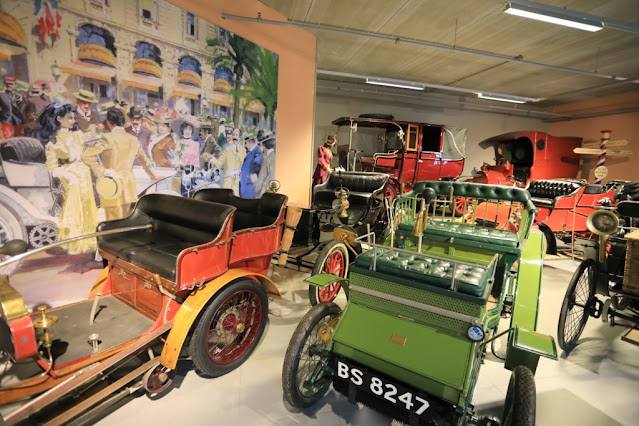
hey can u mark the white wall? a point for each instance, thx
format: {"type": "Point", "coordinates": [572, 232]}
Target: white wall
{"type": "Point", "coordinates": [480, 125]}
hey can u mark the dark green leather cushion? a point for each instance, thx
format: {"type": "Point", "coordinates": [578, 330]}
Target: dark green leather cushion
{"type": "Point", "coordinates": [427, 270]}
{"type": "Point", "coordinates": [499, 237]}
{"type": "Point", "coordinates": [475, 190]}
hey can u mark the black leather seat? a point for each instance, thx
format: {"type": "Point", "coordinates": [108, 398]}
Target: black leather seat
{"type": "Point", "coordinates": [544, 192]}
{"type": "Point", "coordinates": [250, 213]}
{"type": "Point", "coordinates": [178, 223]}
{"type": "Point", "coordinates": [366, 194]}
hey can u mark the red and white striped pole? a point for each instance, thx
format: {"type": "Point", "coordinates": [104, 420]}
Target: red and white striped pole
{"type": "Point", "coordinates": [605, 137]}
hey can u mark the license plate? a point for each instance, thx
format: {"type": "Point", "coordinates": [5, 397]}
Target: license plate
{"type": "Point", "coordinates": [399, 395]}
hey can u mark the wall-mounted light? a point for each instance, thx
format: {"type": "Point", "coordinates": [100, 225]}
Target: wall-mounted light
{"type": "Point", "coordinates": [553, 15]}
{"type": "Point", "coordinates": [395, 83]}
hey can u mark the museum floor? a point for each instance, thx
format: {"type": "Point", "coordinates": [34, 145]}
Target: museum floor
{"type": "Point", "coordinates": [597, 384]}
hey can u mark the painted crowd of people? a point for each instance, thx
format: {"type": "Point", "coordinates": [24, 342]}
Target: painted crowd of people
{"type": "Point", "coordinates": [88, 147]}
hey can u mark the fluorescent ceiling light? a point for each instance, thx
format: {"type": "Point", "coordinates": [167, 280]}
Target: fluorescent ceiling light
{"type": "Point", "coordinates": [504, 98]}
{"type": "Point", "coordinates": [393, 83]}
{"type": "Point", "coordinates": [564, 18]}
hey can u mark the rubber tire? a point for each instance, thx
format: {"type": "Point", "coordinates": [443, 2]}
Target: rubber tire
{"type": "Point", "coordinates": [290, 384]}
{"type": "Point", "coordinates": [521, 400]}
{"type": "Point", "coordinates": [199, 338]}
{"type": "Point", "coordinates": [318, 268]}
{"type": "Point", "coordinates": [587, 265]}
{"type": "Point", "coordinates": [11, 228]}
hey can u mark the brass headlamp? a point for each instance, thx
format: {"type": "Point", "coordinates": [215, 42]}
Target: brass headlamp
{"type": "Point", "coordinates": [46, 326]}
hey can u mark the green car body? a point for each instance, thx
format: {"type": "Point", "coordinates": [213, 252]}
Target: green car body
{"type": "Point", "coordinates": [416, 324]}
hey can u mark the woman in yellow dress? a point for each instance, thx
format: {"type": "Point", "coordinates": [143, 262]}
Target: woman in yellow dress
{"type": "Point", "coordinates": [78, 215]}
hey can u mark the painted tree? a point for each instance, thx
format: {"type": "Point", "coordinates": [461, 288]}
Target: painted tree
{"type": "Point", "coordinates": [263, 83]}
{"type": "Point", "coordinates": [242, 57]}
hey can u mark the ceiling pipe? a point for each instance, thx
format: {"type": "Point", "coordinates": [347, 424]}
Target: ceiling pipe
{"type": "Point", "coordinates": [439, 99]}
{"type": "Point", "coordinates": [425, 85]}
{"type": "Point", "coordinates": [415, 42]}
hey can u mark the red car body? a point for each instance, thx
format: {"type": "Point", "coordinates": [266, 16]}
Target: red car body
{"type": "Point", "coordinates": [407, 151]}
{"type": "Point", "coordinates": [527, 156]}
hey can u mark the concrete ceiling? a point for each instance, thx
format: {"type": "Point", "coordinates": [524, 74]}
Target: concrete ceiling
{"type": "Point", "coordinates": [527, 49]}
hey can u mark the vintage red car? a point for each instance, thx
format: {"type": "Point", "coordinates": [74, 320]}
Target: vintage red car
{"type": "Point", "coordinates": [409, 152]}
{"type": "Point", "coordinates": [521, 157]}
{"type": "Point", "coordinates": [182, 276]}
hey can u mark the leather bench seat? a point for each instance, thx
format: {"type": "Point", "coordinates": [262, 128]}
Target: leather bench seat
{"type": "Point", "coordinates": [178, 223]}
{"type": "Point", "coordinates": [250, 213]}
{"type": "Point", "coordinates": [544, 192]}
{"type": "Point", "coordinates": [426, 270]}
{"type": "Point", "coordinates": [366, 190]}
{"type": "Point", "coordinates": [499, 237]}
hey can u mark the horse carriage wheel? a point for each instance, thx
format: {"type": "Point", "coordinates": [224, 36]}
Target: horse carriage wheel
{"type": "Point", "coordinates": [333, 259]}
{"type": "Point", "coordinates": [577, 304]}
{"type": "Point", "coordinates": [230, 328]}
{"type": "Point", "coordinates": [304, 356]}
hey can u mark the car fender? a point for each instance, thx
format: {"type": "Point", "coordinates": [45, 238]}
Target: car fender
{"type": "Point", "coordinates": [28, 213]}
{"type": "Point", "coordinates": [196, 302]}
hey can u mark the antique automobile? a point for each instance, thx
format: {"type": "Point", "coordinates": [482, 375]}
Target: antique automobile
{"type": "Point", "coordinates": [184, 276]}
{"type": "Point", "coordinates": [605, 285]}
{"type": "Point", "coordinates": [565, 204]}
{"type": "Point", "coordinates": [423, 309]}
{"type": "Point", "coordinates": [344, 207]}
{"type": "Point", "coordinates": [521, 157]}
{"type": "Point", "coordinates": [409, 152]}
{"type": "Point", "coordinates": [30, 198]}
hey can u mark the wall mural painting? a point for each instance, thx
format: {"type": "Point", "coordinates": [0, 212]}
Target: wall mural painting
{"type": "Point", "coordinates": [102, 102]}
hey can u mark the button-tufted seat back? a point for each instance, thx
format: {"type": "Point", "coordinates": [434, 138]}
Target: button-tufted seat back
{"type": "Point", "coordinates": [551, 188]}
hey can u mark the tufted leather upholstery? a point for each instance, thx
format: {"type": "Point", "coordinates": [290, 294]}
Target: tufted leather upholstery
{"type": "Point", "coordinates": [178, 223]}
{"type": "Point", "coordinates": [476, 190]}
{"type": "Point", "coordinates": [427, 270]}
{"type": "Point", "coordinates": [366, 193]}
{"type": "Point", "coordinates": [499, 237]}
{"type": "Point", "coordinates": [250, 213]}
{"type": "Point", "coordinates": [545, 191]}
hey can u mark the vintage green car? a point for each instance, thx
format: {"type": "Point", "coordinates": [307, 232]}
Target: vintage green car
{"type": "Point", "coordinates": [423, 308]}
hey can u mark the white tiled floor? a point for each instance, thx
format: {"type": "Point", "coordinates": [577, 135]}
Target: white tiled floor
{"type": "Point", "coordinates": [597, 384]}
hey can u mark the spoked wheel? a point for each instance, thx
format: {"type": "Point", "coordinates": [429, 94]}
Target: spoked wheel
{"type": "Point", "coordinates": [333, 259]}
{"type": "Point", "coordinates": [577, 305]}
{"type": "Point", "coordinates": [304, 376]}
{"type": "Point", "coordinates": [230, 328]}
{"type": "Point", "coordinates": [521, 400]}
{"type": "Point", "coordinates": [158, 379]}
{"type": "Point", "coordinates": [459, 205]}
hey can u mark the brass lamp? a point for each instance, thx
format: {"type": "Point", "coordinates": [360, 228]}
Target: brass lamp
{"type": "Point", "coordinates": [341, 203]}
{"type": "Point", "coordinates": [421, 219]}
{"type": "Point", "coordinates": [46, 327]}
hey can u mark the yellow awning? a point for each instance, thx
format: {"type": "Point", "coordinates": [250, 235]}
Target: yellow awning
{"type": "Point", "coordinates": [143, 82]}
{"type": "Point", "coordinates": [186, 91]}
{"type": "Point", "coordinates": [255, 106]}
{"type": "Point", "coordinates": [90, 71]}
{"type": "Point", "coordinates": [220, 98]}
